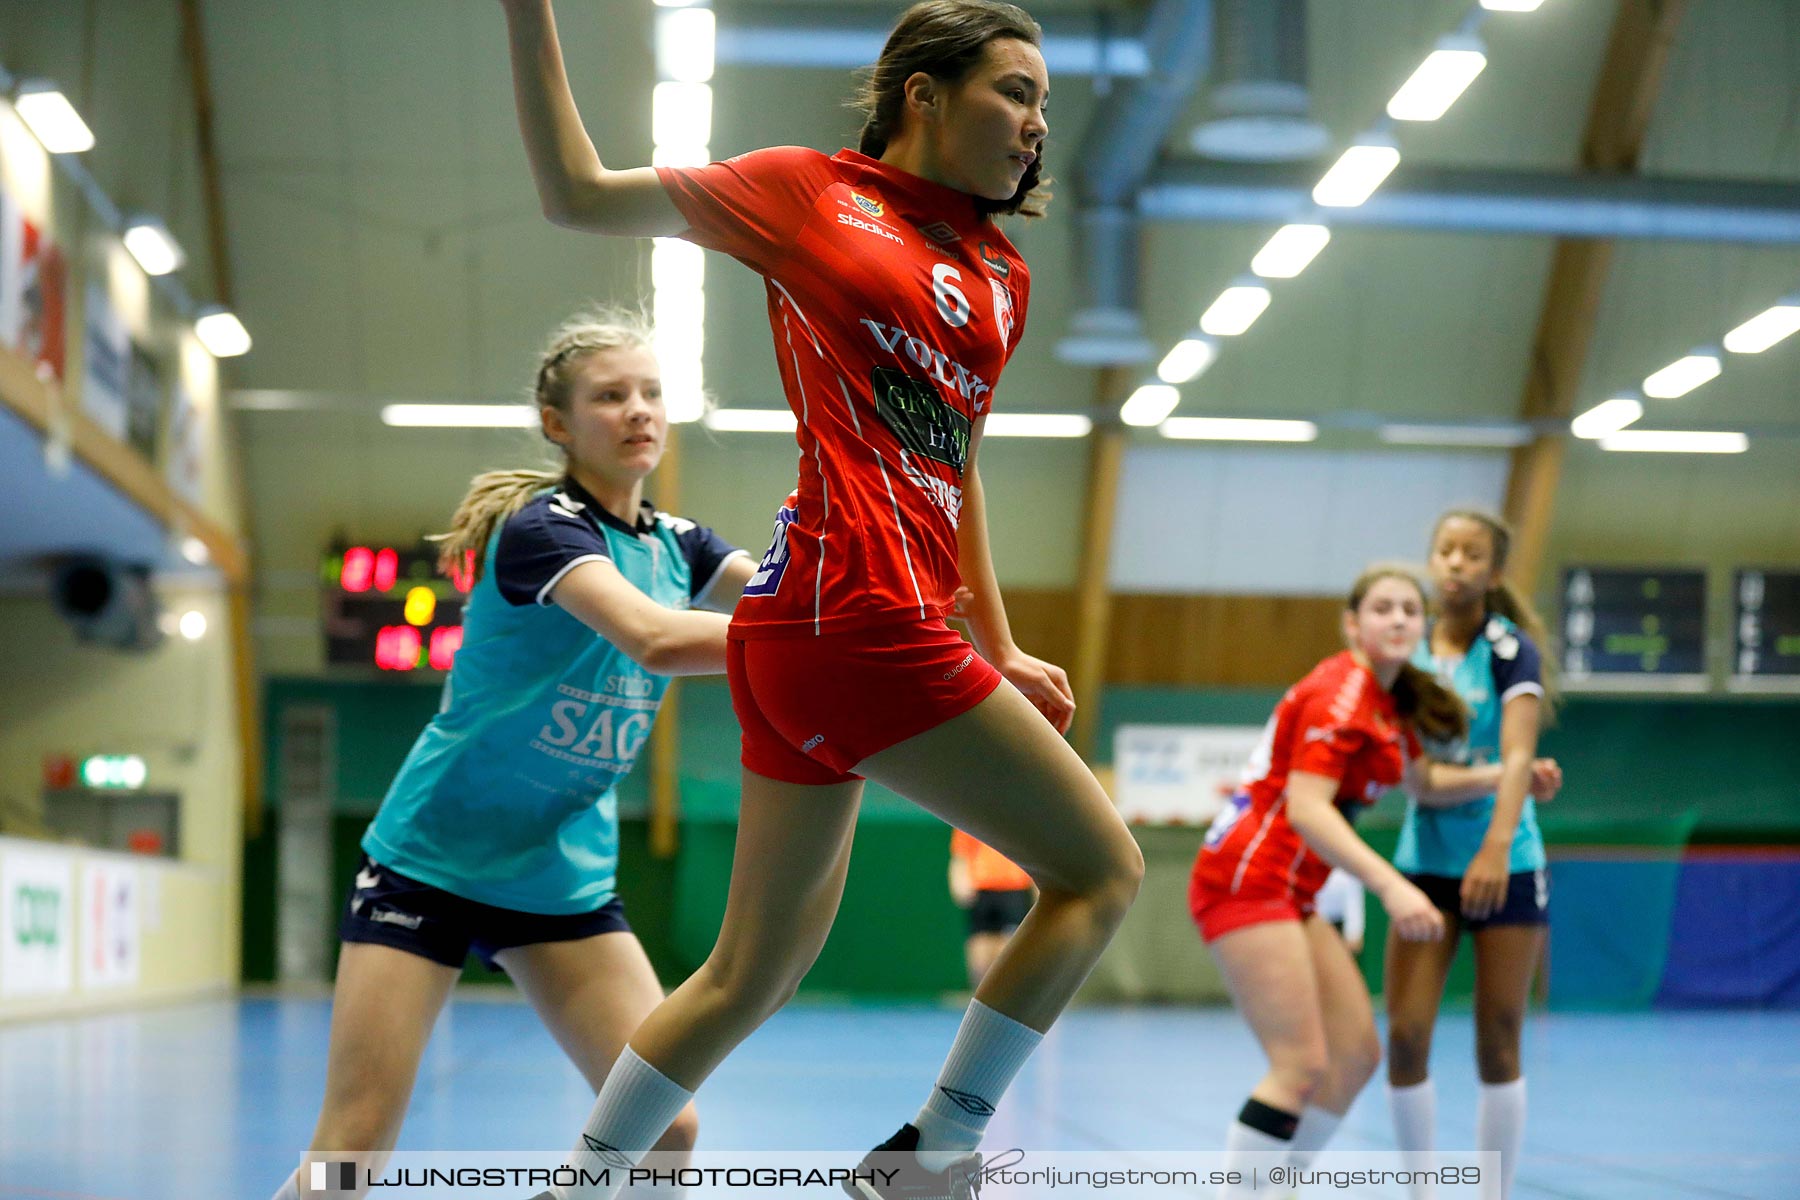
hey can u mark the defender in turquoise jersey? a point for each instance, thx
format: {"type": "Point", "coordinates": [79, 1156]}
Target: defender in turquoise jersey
{"type": "Point", "coordinates": [508, 796]}
{"type": "Point", "coordinates": [1479, 855]}
{"type": "Point", "coordinates": [499, 835]}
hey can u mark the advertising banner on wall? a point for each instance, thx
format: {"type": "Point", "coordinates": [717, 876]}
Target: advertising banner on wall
{"type": "Point", "coordinates": [186, 462]}
{"type": "Point", "coordinates": [37, 923]}
{"type": "Point", "coordinates": [111, 933]}
{"type": "Point", "coordinates": [143, 401]}
{"type": "Point", "coordinates": [1179, 774]}
{"type": "Point", "coordinates": [107, 362]}
{"type": "Point", "coordinates": [33, 279]}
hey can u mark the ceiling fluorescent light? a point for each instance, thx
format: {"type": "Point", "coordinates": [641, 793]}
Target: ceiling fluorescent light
{"type": "Point", "coordinates": [1765, 328]}
{"type": "Point", "coordinates": [1607, 417]}
{"type": "Point", "coordinates": [1037, 425]}
{"type": "Point", "coordinates": [681, 114]}
{"type": "Point", "coordinates": [219, 330]}
{"type": "Point", "coordinates": [677, 265]}
{"type": "Point", "coordinates": [751, 420]}
{"type": "Point", "coordinates": [1510, 433]}
{"type": "Point", "coordinates": [1287, 253]}
{"type": "Point", "coordinates": [684, 45]}
{"type": "Point", "coordinates": [51, 118]}
{"type": "Point", "coordinates": [688, 154]}
{"type": "Point", "coordinates": [1236, 309]}
{"type": "Point", "coordinates": [1357, 172]}
{"type": "Point", "coordinates": [1675, 441]}
{"type": "Point", "coordinates": [1186, 360]}
{"type": "Point", "coordinates": [1238, 429]}
{"type": "Point", "coordinates": [1683, 375]}
{"type": "Point", "coordinates": [1150, 404]}
{"type": "Point", "coordinates": [154, 247]}
{"type": "Point", "coordinates": [1518, 6]}
{"type": "Point", "coordinates": [1444, 75]}
{"type": "Point", "coordinates": [460, 416]}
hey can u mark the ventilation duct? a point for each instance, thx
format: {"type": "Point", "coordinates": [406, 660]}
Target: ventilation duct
{"type": "Point", "coordinates": [1260, 109]}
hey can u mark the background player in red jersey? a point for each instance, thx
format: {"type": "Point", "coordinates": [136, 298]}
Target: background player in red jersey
{"type": "Point", "coordinates": [895, 300]}
{"type": "Point", "coordinates": [1340, 738]}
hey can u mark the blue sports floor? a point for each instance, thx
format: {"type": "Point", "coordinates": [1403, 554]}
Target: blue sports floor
{"type": "Point", "coordinates": [216, 1100]}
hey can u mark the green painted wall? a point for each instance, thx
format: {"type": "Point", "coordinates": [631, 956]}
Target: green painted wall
{"type": "Point", "coordinates": [1641, 772]}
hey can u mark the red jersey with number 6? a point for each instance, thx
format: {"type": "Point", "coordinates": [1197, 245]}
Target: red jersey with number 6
{"type": "Point", "coordinates": [1338, 722]}
{"type": "Point", "coordinates": [894, 304]}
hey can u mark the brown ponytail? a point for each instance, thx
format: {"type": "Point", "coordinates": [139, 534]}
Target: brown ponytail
{"type": "Point", "coordinates": [945, 39]}
{"type": "Point", "coordinates": [1420, 697]}
{"type": "Point", "coordinates": [1505, 600]}
{"type": "Point", "coordinates": [493, 496]}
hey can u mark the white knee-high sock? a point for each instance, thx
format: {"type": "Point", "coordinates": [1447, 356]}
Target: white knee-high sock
{"type": "Point", "coordinates": [289, 1190]}
{"type": "Point", "coordinates": [635, 1107]}
{"type": "Point", "coordinates": [1316, 1127]}
{"type": "Point", "coordinates": [1415, 1129]}
{"type": "Point", "coordinates": [1259, 1129]}
{"type": "Point", "coordinates": [988, 1051]}
{"type": "Point", "coordinates": [1500, 1125]}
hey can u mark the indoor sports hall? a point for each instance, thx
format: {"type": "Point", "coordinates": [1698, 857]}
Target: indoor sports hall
{"type": "Point", "coordinates": [1321, 284]}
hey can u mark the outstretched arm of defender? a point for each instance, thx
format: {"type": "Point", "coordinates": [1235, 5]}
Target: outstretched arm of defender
{"type": "Point", "coordinates": [577, 191]}
{"type": "Point", "coordinates": [663, 641]}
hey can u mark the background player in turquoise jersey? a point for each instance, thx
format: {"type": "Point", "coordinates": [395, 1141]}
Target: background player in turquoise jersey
{"type": "Point", "coordinates": [500, 833]}
{"type": "Point", "coordinates": [1482, 861]}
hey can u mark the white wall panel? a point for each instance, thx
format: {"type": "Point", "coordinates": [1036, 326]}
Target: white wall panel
{"type": "Point", "coordinates": [1283, 521]}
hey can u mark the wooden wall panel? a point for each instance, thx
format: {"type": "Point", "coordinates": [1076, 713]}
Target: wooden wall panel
{"type": "Point", "coordinates": [1198, 640]}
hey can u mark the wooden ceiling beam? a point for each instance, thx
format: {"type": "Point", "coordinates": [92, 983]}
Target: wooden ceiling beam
{"type": "Point", "coordinates": [1631, 77]}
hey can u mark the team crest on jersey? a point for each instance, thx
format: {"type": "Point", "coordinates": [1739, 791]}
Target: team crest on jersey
{"type": "Point", "coordinates": [996, 262]}
{"type": "Point", "coordinates": [873, 207]}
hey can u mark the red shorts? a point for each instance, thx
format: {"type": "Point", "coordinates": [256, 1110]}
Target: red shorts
{"type": "Point", "coordinates": [811, 708]}
{"type": "Point", "coordinates": [1219, 912]}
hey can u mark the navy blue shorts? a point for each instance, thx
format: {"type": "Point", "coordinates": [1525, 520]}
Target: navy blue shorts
{"type": "Point", "coordinates": [998, 911]}
{"type": "Point", "coordinates": [1527, 899]}
{"type": "Point", "coordinates": [388, 909]}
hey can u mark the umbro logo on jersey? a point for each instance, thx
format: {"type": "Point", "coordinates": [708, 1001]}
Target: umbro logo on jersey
{"type": "Point", "coordinates": [995, 261]}
{"type": "Point", "coordinates": [812, 743]}
{"type": "Point", "coordinates": [563, 505]}
{"type": "Point", "coordinates": [873, 207]}
{"type": "Point", "coordinates": [940, 232]}
{"type": "Point", "coordinates": [366, 879]}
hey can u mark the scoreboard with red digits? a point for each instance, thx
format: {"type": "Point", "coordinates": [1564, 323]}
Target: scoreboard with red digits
{"type": "Point", "coordinates": [387, 606]}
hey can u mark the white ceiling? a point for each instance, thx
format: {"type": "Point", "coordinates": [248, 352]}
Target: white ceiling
{"type": "Point", "coordinates": [386, 241]}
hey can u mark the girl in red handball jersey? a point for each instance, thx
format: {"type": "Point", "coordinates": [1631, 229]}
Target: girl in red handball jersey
{"type": "Point", "coordinates": [1340, 738]}
{"type": "Point", "coordinates": [895, 301]}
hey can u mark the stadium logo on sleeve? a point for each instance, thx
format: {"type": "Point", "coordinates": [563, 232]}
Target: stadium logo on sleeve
{"type": "Point", "coordinates": [996, 262]}
{"type": "Point", "coordinates": [873, 207]}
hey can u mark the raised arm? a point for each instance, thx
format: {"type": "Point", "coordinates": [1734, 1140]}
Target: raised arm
{"type": "Point", "coordinates": [1044, 684]}
{"type": "Point", "coordinates": [1319, 823]}
{"type": "Point", "coordinates": [577, 191]}
{"type": "Point", "coordinates": [663, 641]}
